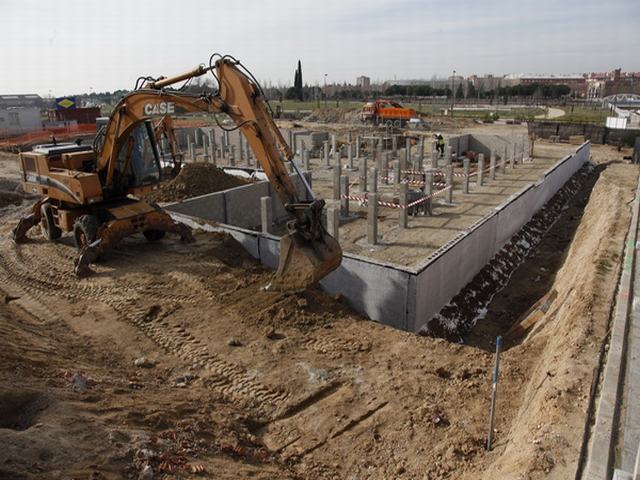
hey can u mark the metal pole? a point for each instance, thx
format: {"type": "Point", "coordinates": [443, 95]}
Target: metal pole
{"type": "Point", "coordinates": [496, 372]}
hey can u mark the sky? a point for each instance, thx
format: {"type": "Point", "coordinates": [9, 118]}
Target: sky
{"type": "Point", "coordinates": [61, 47]}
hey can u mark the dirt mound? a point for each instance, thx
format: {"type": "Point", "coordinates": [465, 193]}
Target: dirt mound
{"type": "Point", "coordinates": [195, 179]}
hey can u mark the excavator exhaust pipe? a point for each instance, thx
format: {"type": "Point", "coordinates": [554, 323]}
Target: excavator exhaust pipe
{"type": "Point", "coordinates": [305, 262]}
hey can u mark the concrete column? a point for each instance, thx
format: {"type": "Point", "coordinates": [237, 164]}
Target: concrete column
{"type": "Point", "coordinates": [396, 174]}
{"type": "Point", "coordinates": [465, 182]}
{"type": "Point", "coordinates": [291, 145]}
{"type": "Point", "coordinates": [372, 219]}
{"type": "Point", "coordinates": [394, 144]}
{"type": "Point", "coordinates": [403, 163]}
{"type": "Point", "coordinates": [336, 180]}
{"type": "Point", "coordinates": [334, 151]}
{"type": "Point", "coordinates": [407, 151]}
{"type": "Point", "coordinates": [512, 159]}
{"type": "Point", "coordinates": [232, 156]}
{"type": "Point", "coordinates": [420, 153]}
{"type": "Point", "coordinates": [492, 165]}
{"type": "Point", "coordinates": [241, 147]}
{"type": "Point", "coordinates": [192, 151]}
{"type": "Point", "coordinates": [266, 214]}
{"type": "Point", "coordinates": [223, 145]}
{"type": "Point", "coordinates": [428, 190]}
{"type": "Point", "coordinates": [305, 159]}
{"type": "Point", "coordinates": [358, 143]}
{"type": "Point", "coordinates": [303, 148]}
{"type": "Point", "coordinates": [333, 222]}
{"type": "Point", "coordinates": [449, 177]}
{"type": "Point", "coordinates": [189, 147]}
{"type": "Point", "coordinates": [325, 146]}
{"type": "Point", "coordinates": [344, 191]}
{"type": "Point", "coordinates": [521, 152]}
{"type": "Point", "coordinates": [435, 159]}
{"type": "Point", "coordinates": [480, 175]}
{"type": "Point", "coordinates": [248, 153]}
{"type": "Point", "coordinates": [385, 168]}
{"type": "Point", "coordinates": [362, 172]}
{"type": "Point", "coordinates": [448, 155]}
{"type": "Point", "coordinates": [434, 155]}
{"type": "Point", "coordinates": [205, 146]}
{"type": "Point", "coordinates": [196, 137]}
{"type": "Point", "coordinates": [403, 198]}
{"type": "Point", "coordinates": [379, 156]}
{"type": "Point", "coordinates": [350, 155]}
{"type": "Point", "coordinates": [212, 146]}
{"type": "Point", "coordinates": [503, 164]}
{"type": "Point", "coordinates": [227, 140]}
{"type": "Point", "coordinates": [349, 137]}
{"type": "Point", "coordinates": [373, 180]}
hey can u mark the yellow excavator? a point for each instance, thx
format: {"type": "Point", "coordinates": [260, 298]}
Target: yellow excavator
{"type": "Point", "coordinates": [94, 191]}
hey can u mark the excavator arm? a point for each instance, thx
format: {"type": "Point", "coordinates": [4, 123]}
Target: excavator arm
{"type": "Point", "coordinates": [164, 127]}
{"type": "Point", "coordinates": [307, 252]}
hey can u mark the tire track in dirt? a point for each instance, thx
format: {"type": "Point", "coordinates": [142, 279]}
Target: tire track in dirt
{"type": "Point", "coordinates": [34, 277]}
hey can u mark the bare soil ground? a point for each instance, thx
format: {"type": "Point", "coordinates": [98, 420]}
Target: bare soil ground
{"type": "Point", "coordinates": [172, 358]}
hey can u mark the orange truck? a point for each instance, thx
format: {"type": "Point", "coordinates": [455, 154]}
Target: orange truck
{"type": "Point", "coordinates": [387, 112]}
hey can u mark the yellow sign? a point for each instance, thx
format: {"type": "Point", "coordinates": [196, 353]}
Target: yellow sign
{"type": "Point", "coordinates": [66, 103]}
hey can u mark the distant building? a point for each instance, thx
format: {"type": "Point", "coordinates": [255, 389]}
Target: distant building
{"type": "Point", "coordinates": [18, 120]}
{"type": "Point", "coordinates": [22, 100]}
{"type": "Point", "coordinates": [601, 85]}
{"type": "Point", "coordinates": [487, 83]}
{"type": "Point", "coordinates": [363, 82]}
{"type": "Point", "coordinates": [577, 83]}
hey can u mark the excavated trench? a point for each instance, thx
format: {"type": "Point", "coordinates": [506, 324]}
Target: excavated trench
{"type": "Point", "coordinates": [503, 293]}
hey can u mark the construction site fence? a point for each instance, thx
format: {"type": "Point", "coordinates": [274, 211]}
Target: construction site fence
{"type": "Point", "coordinates": [17, 142]}
{"type": "Point", "coordinates": [599, 134]}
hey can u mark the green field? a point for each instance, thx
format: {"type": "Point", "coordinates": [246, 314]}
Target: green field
{"type": "Point", "coordinates": [583, 115]}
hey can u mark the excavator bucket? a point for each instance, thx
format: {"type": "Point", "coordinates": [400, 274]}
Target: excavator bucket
{"type": "Point", "coordinates": [305, 262]}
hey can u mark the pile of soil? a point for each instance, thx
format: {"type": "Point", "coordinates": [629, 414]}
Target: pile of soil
{"type": "Point", "coordinates": [195, 179]}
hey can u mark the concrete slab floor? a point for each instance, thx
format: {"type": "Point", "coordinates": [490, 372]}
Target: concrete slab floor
{"type": "Point", "coordinates": [424, 235]}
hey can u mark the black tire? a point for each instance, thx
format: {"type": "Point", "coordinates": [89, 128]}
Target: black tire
{"type": "Point", "coordinates": [47, 224]}
{"type": "Point", "coordinates": [397, 123]}
{"type": "Point", "coordinates": [154, 235]}
{"type": "Point", "coordinates": [85, 230]}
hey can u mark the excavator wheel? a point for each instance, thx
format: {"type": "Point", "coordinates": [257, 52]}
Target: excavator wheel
{"type": "Point", "coordinates": [154, 235]}
{"type": "Point", "coordinates": [85, 230]}
{"type": "Point", "coordinates": [47, 224]}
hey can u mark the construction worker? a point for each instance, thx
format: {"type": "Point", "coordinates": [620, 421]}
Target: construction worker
{"type": "Point", "coordinates": [439, 143]}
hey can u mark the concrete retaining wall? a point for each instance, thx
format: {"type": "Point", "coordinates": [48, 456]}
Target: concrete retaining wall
{"type": "Point", "coordinates": [407, 298]}
{"type": "Point", "coordinates": [485, 143]}
{"type": "Point", "coordinates": [453, 266]}
{"type": "Point", "coordinates": [239, 206]}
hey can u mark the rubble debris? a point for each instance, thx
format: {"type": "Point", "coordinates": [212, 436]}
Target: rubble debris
{"type": "Point", "coordinates": [79, 383]}
{"type": "Point", "coordinates": [144, 362]}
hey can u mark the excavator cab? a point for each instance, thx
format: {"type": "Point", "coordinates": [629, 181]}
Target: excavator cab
{"type": "Point", "coordinates": [138, 161]}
